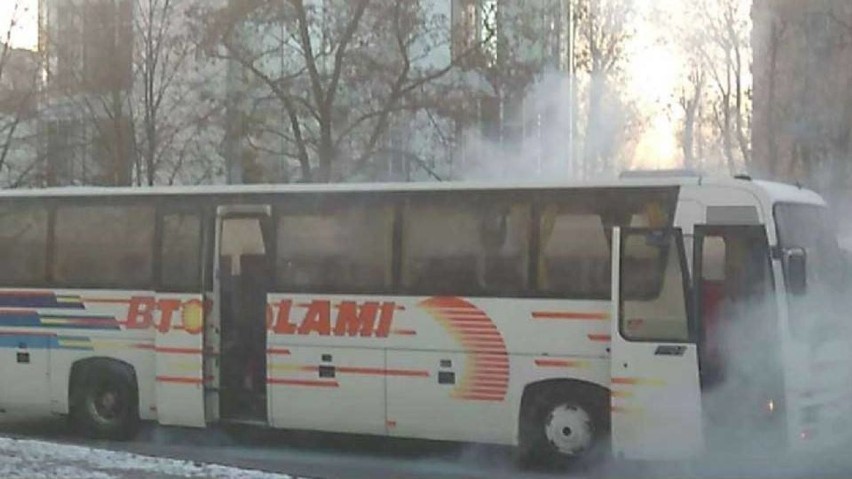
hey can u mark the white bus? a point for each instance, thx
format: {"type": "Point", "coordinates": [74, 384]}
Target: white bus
{"type": "Point", "coordinates": [456, 312]}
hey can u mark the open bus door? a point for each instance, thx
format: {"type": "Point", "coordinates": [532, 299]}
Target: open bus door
{"type": "Point", "coordinates": [656, 395]}
{"type": "Point", "coordinates": [242, 279]}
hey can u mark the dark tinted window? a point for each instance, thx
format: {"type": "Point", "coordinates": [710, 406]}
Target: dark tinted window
{"type": "Point", "coordinates": [180, 268]}
{"type": "Point", "coordinates": [23, 244]}
{"type": "Point", "coordinates": [342, 247]}
{"type": "Point", "coordinates": [109, 247]}
{"type": "Point", "coordinates": [463, 244]}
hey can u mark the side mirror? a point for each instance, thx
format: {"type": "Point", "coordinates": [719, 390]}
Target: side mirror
{"type": "Point", "coordinates": [796, 270]}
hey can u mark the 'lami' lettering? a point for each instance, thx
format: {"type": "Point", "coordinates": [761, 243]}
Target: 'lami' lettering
{"type": "Point", "coordinates": [367, 319]}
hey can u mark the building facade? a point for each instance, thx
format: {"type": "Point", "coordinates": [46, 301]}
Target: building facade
{"type": "Point", "coordinates": [127, 96]}
{"type": "Point", "coordinates": [97, 117]}
{"type": "Point", "coordinates": [85, 116]}
{"type": "Point", "coordinates": [802, 66]}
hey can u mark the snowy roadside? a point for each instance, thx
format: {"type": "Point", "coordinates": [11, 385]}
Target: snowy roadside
{"type": "Point", "coordinates": [29, 459]}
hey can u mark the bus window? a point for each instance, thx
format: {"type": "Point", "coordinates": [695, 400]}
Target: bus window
{"type": "Point", "coordinates": [342, 249]}
{"type": "Point", "coordinates": [658, 312]}
{"type": "Point", "coordinates": [180, 259]}
{"type": "Point", "coordinates": [469, 248]}
{"type": "Point", "coordinates": [105, 247]}
{"type": "Point", "coordinates": [574, 255]}
{"type": "Point", "coordinates": [241, 238]}
{"type": "Point", "coordinates": [23, 245]}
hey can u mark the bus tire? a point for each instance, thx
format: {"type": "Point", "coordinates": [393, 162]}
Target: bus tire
{"type": "Point", "coordinates": [564, 425]}
{"type": "Point", "coordinates": [104, 401]}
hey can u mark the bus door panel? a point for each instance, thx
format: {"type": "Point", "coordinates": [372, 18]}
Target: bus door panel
{"type": "Point", "coordinates": [656, 396]}
{"type": "Point", "coordinates": [24, 373]}
{"type": "Point", "coordinates": [453, 396]}
{"type": "Point", "coordinates": [326, 388]}
{"type": "Point", "coordinates": [180, 361]}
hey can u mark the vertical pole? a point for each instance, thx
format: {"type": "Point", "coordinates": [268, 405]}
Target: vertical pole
{"type": "Point", "coordinates": [572, 97]}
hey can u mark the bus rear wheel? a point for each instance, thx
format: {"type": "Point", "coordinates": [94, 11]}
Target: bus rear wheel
{"type": "Point", "coordinates": [104, 402]}
{"type": "Point", "coordinates": [563, 426]}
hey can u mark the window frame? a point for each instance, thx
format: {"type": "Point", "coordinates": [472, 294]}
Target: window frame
{"type": "Point", "coordinates": [203, 205]}
{"type": "Point", "coordinates": [685, 273]}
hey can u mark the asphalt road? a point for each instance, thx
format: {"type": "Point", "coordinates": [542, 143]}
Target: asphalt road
{"type": "Point", "coordinates": [326, 456]}
{"type": "Point", "coordinates": [311, 455]}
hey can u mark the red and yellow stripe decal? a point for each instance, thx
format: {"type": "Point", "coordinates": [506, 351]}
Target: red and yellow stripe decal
{"type": "Point", "coordinates": [634, 381]}
{"type": "Point", "coordinates": [561, 363]}
{"type": "Point", "coordinates": [571, 315]}
{"type": "Point", "coordinates": [486, 374]}
{"type": "Point", "coordinates": [314, 383]}
{"type": "Point", "coordinates": [184, 379]}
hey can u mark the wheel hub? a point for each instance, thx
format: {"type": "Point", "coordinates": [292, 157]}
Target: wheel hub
{"type": "Point", "coordinates": [106, 404]}
{"type": "Point", "coordinates": [569, 429]}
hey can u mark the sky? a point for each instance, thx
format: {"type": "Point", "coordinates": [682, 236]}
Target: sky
{"type": "Point", "coordinates": [25, 33]}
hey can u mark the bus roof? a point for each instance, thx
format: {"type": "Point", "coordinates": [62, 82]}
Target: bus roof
{"type": "Point", "coordinates": [774, 192]}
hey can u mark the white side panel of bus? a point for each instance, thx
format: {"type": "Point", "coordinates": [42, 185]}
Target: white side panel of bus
{"type": "Point", "coordinates": [326, 388]}
{"type": "Point", "coordinates": [180, 363]}
{"type": "Point", "coordinates": [449, 396]}
{"type": "Point", "coordinates": [656, 396]}
{"type": "Point", "coordinates": [24, 380]}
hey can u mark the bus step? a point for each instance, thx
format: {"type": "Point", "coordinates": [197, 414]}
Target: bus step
{"type": "Point", "coordinates": [244, 422]}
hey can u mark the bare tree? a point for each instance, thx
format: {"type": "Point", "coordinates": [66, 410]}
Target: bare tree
{"type": "Point", "coordinates": [716, 96]}
{"type": "Point", "coordinates": [693, 95]}
{"type": "Point", "coordinates": [86, 109]}
{"type": "Point", "coordinates": [690, 100]}
{"type": "Point", "coordinates": [18, 87]}
{"type": "Point", "coordinates": [603, 30]}
{"type": "Point", "coordinates": [724, 25]}
{"type": "Point", "coordinates": [127, 90]}
{"type": "Point", "coordinates": [340, 72]}
{"type": "Point", "coordinates": [173, 110]}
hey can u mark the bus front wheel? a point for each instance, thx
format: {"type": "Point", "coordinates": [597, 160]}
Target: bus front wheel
{"type": "Point", "coordinates": [104, 401]}
{"type": "Point", "coordinates": [563, 425]}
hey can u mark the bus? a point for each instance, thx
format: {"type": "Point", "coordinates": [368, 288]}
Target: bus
{"type": "Point", "coordinates": [646, 317]}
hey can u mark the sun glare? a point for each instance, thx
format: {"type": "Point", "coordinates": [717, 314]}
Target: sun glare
{"type": "Point", "coordinates": [653, 74]}
{"type": "Point", "coordinates": [657, 148]}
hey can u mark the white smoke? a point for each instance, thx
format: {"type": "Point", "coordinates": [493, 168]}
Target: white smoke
{"type": "Point", "coordinates": [532, 143]}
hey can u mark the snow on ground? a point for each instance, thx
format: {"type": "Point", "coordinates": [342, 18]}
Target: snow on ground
{"type": "Point", "coordinates": [29, 459]}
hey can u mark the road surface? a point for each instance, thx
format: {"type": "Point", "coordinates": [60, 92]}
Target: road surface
{"type": "Point", "coordinates": [325, 456]}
